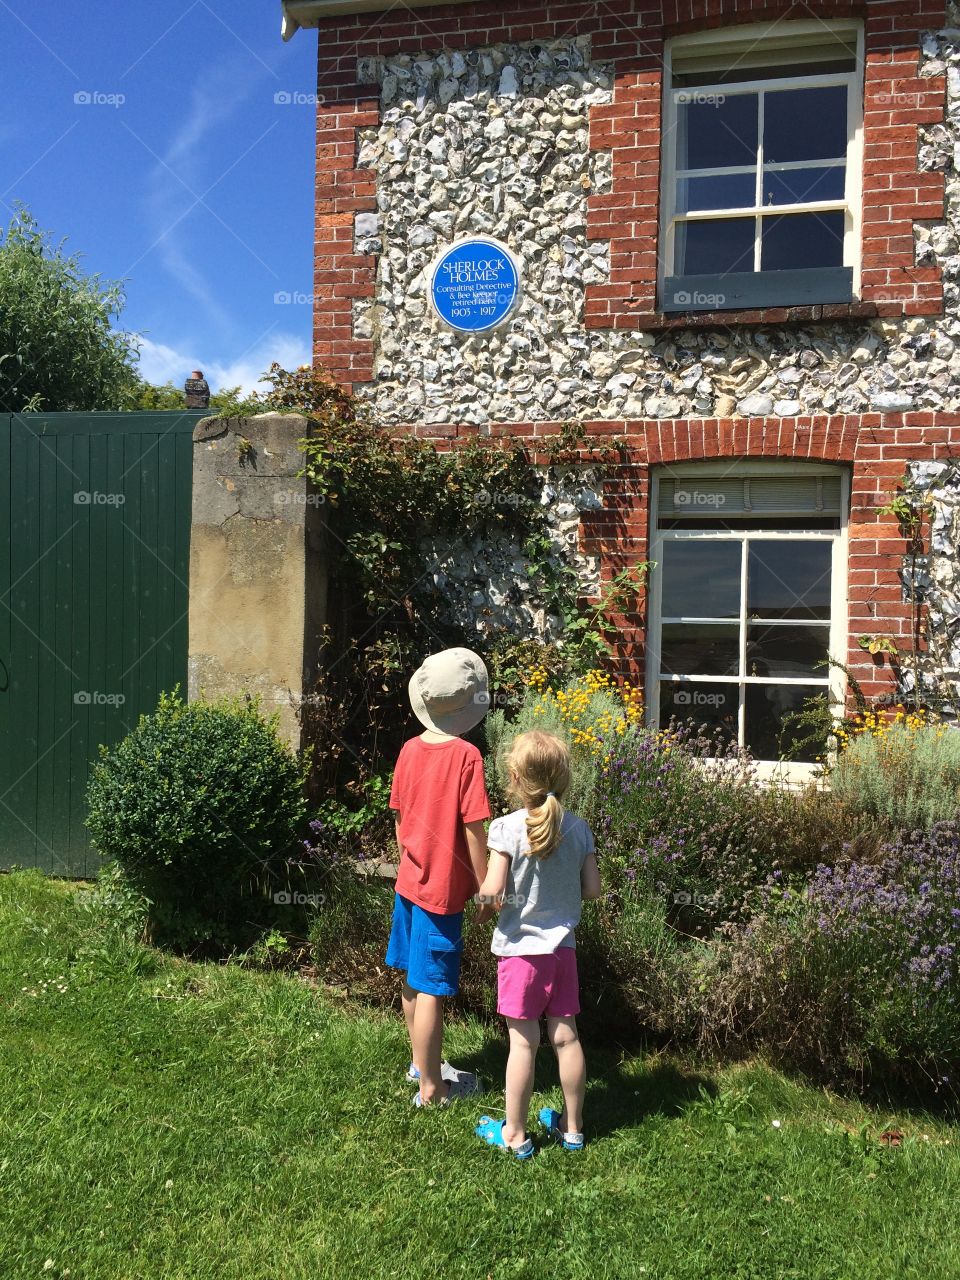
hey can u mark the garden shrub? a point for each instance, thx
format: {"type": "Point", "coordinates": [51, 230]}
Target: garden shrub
{"type": "Point", "coordinates": [200, 806]}
{"type": "Point", "coordinates": [905, 770]}
{"type": "Point", "coordinates": [685, 821]}
{"type": "Point", "coordinates": [588, 713]}
{"type": "Point", "coordinates": [857, 970]}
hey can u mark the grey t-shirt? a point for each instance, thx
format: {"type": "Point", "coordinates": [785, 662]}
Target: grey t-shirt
{"type": "Point", "coordinates": [542, 899]}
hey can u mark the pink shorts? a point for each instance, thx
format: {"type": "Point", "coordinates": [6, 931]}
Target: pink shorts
{"type": "Point", "coordinates": [531, 986]}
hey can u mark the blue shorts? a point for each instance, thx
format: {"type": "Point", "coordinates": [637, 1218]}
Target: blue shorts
{"type": "Point", "coordinates": [427, 946]}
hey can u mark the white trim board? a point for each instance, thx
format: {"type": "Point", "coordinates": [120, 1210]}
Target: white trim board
{"type": "Point", "coordinates": [309, 13]}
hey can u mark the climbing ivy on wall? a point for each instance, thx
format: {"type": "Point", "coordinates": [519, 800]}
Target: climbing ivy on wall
{"type": "Point", "coordinates": [385, 494]}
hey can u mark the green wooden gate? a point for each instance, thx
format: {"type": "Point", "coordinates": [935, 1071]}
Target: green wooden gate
{"type": "Point", "coordinates": [94, 569]}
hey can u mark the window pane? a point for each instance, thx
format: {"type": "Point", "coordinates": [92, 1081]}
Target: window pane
{"type": "Point", "coordinates": [720, 191]}
{"type": "Point", "coordinates": [766, 706]}
{"type": "Point", "coordinates": [714, 246]}
{"type": "Point", "coordinates": [797, 186]}
{"type": "Point", "coordinates": [699, 649]}
{"type": "Point", "coordinates": [789, 580]}
{"type": "Point", "coordinates": [805, 124]}
{"type": "Point", "coordinates": [716, 131]}
{"type": "Point", "coordinates": [787, 651]}
{"type": "Point", "coordinates": [701, 579]}
{"type": "Point", "coordinates": [713, 705]}
{"type": "Point", "coordinates": [802, 240]}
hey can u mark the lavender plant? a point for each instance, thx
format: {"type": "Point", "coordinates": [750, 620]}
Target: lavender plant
{"type": "Point", "coordinates": [684, 819]}
{"type": "Point", "coordinates": [860, 965]}
{"type": "Point", "coordinates": [907, 773]}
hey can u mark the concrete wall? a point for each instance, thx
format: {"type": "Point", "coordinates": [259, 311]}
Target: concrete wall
{"type": "Point", "coordinates": [257, 566]}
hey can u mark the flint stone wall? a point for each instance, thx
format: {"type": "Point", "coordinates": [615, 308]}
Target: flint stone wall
{"type": "Point", "coordinates": [496, 141]}
{"type": "Point", "coordinates": [935, 581]}
{"type": "Point", "coordinates": [490, 585]}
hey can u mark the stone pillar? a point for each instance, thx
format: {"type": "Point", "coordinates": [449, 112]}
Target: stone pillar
{"type": "Point", "coordinates": [258, 577]}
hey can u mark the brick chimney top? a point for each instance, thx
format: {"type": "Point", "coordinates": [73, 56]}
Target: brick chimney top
{"type": "Point", "coordinates": [197, 391]}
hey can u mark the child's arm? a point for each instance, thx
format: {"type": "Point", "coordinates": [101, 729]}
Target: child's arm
{"type": "Point", "coordinates": [494, 885]}
{"type": "Point", "coordinates": [476, 834]}
{"type": "Point", "coordinates": [590, 878]}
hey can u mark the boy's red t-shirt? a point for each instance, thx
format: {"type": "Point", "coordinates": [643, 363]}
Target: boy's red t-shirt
{"type": "Point", "coordinates": [437, 787]}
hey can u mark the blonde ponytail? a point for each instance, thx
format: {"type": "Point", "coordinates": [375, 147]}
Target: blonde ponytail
{"type": "Point", "coordinates": [543, 827]}
{"type": "Point", "coordinates": [539, 765]}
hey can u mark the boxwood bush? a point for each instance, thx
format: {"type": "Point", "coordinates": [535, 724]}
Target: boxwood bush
{"type": "Point", "coordinates": [201, 807]}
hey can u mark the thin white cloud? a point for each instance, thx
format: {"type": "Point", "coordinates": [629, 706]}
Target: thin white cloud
{"type": "Point", "coordinates": [189, 166]}
{"type": "Point", "coordinates": [160, 363]}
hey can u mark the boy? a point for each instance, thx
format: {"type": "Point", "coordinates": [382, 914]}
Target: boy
{"type": "Point", "coordinates": [440, 802]}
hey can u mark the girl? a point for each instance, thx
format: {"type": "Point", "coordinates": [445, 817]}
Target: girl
{"type": "Point", "coordinates": [542, 865]}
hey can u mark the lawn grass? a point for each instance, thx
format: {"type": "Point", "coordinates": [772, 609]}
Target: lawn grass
{"type": "Point", "coordinates": [161, 1120]}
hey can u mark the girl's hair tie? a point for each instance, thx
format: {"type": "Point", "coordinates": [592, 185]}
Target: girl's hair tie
{"type": "Point", "coordinates": [552, 793]}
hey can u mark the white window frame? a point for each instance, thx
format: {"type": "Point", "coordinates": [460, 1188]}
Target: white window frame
{"type": "Point", "coordinates": [834, 681]}
{"type": "Point", "coordinates": [728, 42]}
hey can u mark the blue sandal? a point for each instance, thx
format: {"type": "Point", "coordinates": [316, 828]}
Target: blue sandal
{"type": "Point", "coordinates": [491, 1131]}
{"type": "Point", "coordinates": [550, 1120]}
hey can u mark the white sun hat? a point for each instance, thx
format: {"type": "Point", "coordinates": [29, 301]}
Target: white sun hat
{"type": "Point", "coordinates": [449, 692]}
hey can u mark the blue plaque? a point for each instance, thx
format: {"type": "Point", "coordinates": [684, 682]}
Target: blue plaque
{"type": "Point", "coordinates": [475, 284]}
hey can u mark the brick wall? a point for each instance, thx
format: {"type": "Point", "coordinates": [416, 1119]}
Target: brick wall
{"type": "Point", "coordinates": [631, 34]}
{"type": "Point", "coordinates": [877, 448]}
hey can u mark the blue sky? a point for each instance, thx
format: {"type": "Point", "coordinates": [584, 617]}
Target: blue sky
{"type": "Point", "coordinates": [171, 142]}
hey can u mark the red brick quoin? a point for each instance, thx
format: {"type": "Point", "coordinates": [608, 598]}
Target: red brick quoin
{"type": "Point", "coordinates": [630, 35]}
{"type": "Point", "coordinates": [876, 447]}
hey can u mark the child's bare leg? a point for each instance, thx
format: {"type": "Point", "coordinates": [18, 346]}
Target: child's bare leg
{"type": "Point", "coordinates": [573, 1070]}
{"type": "Point", "coordinates": [427, 1041]}
{"type": "Point", "coordinates": [524, 1042]}
{"type": "Point", "coordinates": [409, 999]}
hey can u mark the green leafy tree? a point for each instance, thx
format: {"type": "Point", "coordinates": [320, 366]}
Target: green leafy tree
{"type": "Point", "coordinates": [148, 396]}
{"type": "Point", "coordinates": [58, 346]}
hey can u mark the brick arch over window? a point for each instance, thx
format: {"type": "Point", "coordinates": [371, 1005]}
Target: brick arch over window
{"type": "Point", "coordinates": [876, 447]}
{"type": "Point", "coordinates": [895, 193]}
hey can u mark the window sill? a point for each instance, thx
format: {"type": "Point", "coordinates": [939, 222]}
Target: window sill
{"type": "Point", "coordinates": [647, 320]}
{"type": "Point", "coordinates": [755, 290]}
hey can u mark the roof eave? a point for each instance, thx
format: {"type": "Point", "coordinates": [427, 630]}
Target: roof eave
{"type": "Point", "coordinates": [309, 13]}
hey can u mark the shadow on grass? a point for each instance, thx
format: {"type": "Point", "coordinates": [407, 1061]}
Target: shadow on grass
{"type": "Point", "coordinates": [617, 1098]}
